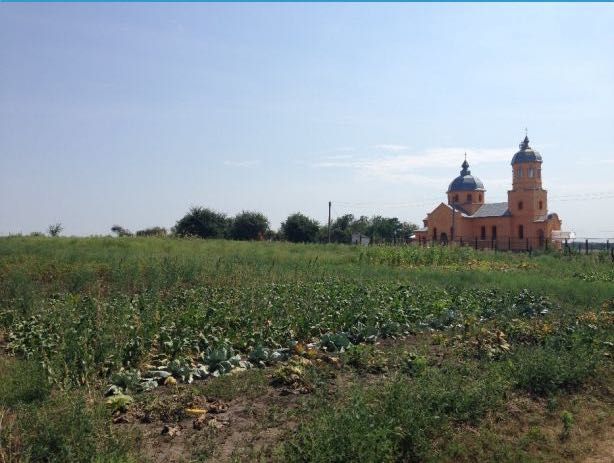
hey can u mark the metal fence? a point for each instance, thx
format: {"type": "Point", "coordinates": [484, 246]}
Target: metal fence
{"type": "Point", "coordinates": [573, 246]}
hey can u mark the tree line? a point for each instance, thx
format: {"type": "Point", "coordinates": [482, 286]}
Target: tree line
{"type": "Point", "coordinates": [201, 222]}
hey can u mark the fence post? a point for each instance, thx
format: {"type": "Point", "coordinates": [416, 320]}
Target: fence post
{"type": "Point", "coordinates": [546, 243]}
{"type": "Point", "coordinates": [527, 244]}
{"type": "Point", "coordinates": [476, 243]}
{"type": "Point", "coordinates": [461, 241]}
{"type": "Point", "coordinates": [509, 243]}
{"type": "Point", "coordinates": [607, 245]}
{"type": "Point", "coordinates": [566, 246]}
{"type": "Point", "coordinates": [586, 246]}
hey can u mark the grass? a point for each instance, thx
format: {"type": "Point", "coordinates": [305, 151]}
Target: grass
{"type": "Point", "coordinates": [77, 312]}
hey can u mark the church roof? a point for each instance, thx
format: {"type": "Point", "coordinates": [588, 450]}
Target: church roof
{"type": "Point", "coordinates": [526, 153]}
{"type": "Point", "coordinates": [465, 181]}
{"type": "Point", "coordinates": [491, 210]}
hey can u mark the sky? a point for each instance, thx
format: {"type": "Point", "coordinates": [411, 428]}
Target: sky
{"type": "Point", "coordinates": [130, 114]}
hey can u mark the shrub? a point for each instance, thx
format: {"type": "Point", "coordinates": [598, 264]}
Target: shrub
{"type": "Point", "coordinates": [121, 231]}
{"type": "Point", "coordinates": [55, 229]}
{"type": "Point", "coordinates": [153, 231]}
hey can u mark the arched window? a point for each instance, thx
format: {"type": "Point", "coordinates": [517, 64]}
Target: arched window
{"type": "Point", "coordinates": [520, 172]}
{"type": "Point", "coordinates": [520, 205]}
{"type": "Point", "coordinates": [541, 205]}
{"type": "Point", "coordinates": [455, 198]}
{"type": "Point", "coordinates": [531, 172]}
{"type": "Point", "coordinates": [469, 198]}
{"type": "Point", "coordinates": [480, 198]}
{"type": "Point", "coordinates": [521, 231]}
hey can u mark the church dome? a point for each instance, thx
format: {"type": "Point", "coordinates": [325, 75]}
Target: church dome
{"type": "Point", "coordinates": [465, 181]}
{"type": "Point", "coordinates": [526, 153]}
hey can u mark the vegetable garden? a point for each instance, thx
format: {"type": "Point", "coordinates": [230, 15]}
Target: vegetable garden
{"type": "Point", "coordinates": [110, 346]}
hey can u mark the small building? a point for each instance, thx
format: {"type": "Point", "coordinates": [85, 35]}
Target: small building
{"type": "Point", "coordinates": [359, 238]}
{"type": "Point", "coordinates": [522, 222]}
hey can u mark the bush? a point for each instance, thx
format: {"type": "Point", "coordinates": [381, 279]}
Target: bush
{"type": "Point", "coordinates": [249, 226]}
{"type": "Point", "coordinates": [153, 231]}
{"type": "Point", "coordinates": [202, 223]}
{"type": "Point", "coordinates": [121, 231]}
{"type": "Point", "coordinates": [55, 229]}
{"type": "Point", "coordinates": [299, 228]}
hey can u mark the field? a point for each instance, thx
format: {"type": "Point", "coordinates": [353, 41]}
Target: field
{"type": "Point", "coordinates": [169, 350]}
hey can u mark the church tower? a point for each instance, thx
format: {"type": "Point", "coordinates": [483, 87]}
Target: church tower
{"type": "Point", "coordinates": [527, 200]}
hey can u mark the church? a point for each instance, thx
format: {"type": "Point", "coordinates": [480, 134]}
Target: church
{"type": "Point", "coordinates": [521, 223]}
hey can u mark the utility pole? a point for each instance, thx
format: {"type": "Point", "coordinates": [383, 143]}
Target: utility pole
{"type": "Point", "coordinates": [329, 204]}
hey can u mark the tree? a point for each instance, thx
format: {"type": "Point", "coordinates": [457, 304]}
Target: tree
{"type": "Point", "coordinates": [121, 231]}
{"type": "Point", "coordinates": [385, 228]}
{"type": "Point", "coordinates": [153, 231]}
{"type": "Point", "coordinates": [55, 229]}
{"type": "Point", "coordinates": [299, 228]}
{"type": "Point", "coordinates": [202, 222]}
{"type": "Point", "coordinates": [341, 229]}
{"type": "Point", "coordinates": [249, 226]}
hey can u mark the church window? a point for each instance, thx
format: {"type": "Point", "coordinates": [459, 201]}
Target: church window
{"type": "Point", "coordinates": [483, 233]}
{"type": "Point", "coordinates": [455, 198]}
{"type": "Point", "coordinates": [520, 172]}
{"type": "Point", "coordinates": [521, 231]}
{"type": "Point", "coordinates": [520, 205]}
{"type": "Point", "coordinates": [480, 198]}
{"type": "Point", "coordinates": [469, 198]}
{"type": "Point", "coordinates": [541, 205]}
{"type": "Point", "coordinates": [531, 172]}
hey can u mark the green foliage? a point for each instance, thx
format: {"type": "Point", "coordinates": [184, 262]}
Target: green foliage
{"type": "Point", "coordinates": [202, 223]}
{"type": "Point", "coordinates": [152, 231]}
{"type": "Point", "coordinates": [547, 369]}
{"type": "Point", "coordinates": [299, 228]}
{"type": "Point", "coordinates": [22, 382]}
{"type": "Point", "coordinates": [249, 226]}
{"type": "Point", "coordinates": [55, 229]}
{"type": "Point", "coordinates": [66, 429]}
{"type": "Point", "coordinates": [567, 419]}
{"type": "Point", "coordinates": [120, 231]}
{"type": "Point", "coordinates": [397, 421]}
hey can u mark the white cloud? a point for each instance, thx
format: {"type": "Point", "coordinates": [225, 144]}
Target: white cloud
{"type": "Point", "coordinates": [407, 167]}
{"type": "Point", "coordinates": [393, 148]}
{"type": "Point", "coordinates": [242, 163]}
{"type": "Point", "coordinates": [595, 162]}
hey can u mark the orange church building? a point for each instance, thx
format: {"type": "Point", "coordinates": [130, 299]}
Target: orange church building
{"type": "Point", "coordinates": [521, 223]}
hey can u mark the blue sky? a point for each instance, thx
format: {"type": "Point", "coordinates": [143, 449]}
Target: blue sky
{"type": "Point", "coordinates": [131, 113]}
